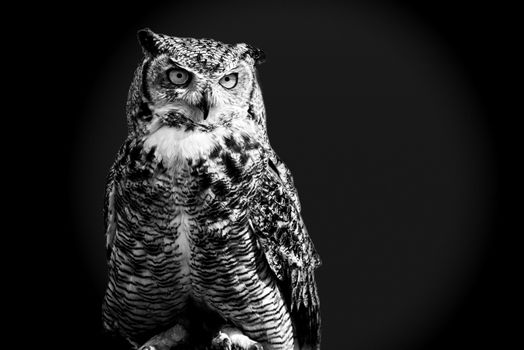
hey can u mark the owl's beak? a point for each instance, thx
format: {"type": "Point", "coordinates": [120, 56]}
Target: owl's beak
{"type": "Point", "coordinates": [206, 102]}
{"type": "Point", "coordinates": [203, 105]}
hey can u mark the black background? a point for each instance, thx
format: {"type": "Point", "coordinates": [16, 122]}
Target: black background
{"type": "Point", "coordinates": [391, 116]}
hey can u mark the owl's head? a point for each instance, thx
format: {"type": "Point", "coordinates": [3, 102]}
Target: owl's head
{"type": "Point", "coordinates": [193, 83]}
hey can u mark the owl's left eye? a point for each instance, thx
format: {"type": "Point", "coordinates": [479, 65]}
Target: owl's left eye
{"type": "Point", "coordinates": [229, 81]}
{"type": "Point", "coordinates": [178, 76]}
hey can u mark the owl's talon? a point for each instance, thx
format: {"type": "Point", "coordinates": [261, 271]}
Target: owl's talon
{"type": "Point", "coordinates": [231, 338]}
{"type": "Point", "coordinates": [256, 346]}
{"type": "Point", "coordinates": [147, 347]}
{"type": "Point", "coordinates": [221, 342]}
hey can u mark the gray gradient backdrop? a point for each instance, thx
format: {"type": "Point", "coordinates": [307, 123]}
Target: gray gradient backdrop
{"type": "Point", "coordinates": [382, 117]}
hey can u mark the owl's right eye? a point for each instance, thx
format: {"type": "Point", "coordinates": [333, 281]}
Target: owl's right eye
{"type": "Point", "coordinates": [178, 76]}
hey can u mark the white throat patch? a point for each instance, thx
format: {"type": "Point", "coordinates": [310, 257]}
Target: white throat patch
{"type": "Point", "coordinates": [174, 145]}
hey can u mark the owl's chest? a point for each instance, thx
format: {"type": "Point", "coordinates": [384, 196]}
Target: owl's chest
{"type": "Point", "coordinates": [202, 172]}
{"type": "Point", "coordinates": [173, 196]}
{"type": "Point", "coordinates": [175, 231]}
{"type": "Point", "coordinates": [178, 225]}
{"type": "Point", "coordinates": [192, 201]}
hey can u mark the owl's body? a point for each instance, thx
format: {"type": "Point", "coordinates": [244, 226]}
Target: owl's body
{"type": "Point", "coordinates": [200, 212]}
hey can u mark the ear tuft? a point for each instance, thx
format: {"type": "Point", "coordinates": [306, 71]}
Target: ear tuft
{"type": "Point", "coordinates": [257, 54]}
{"type": "Point", "coordinates": [149, 41]}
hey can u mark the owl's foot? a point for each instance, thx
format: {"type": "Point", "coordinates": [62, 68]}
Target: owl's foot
{"type": "Point", "coordinates": [230, 338]}
{"type": "Point", "coordinates": [166, 340]}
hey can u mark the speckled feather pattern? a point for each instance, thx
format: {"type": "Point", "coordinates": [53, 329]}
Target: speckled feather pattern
{"type": "Point", "coordinates": [215, 223]}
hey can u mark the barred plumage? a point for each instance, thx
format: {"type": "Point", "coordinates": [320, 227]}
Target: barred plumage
{"type": "Point", "coordinates": [202, 217]}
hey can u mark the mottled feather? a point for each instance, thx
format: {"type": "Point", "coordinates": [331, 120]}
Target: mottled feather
{"type": "Point", "coordinates": [277, 222]}
{"type": "Point", "coordinates": [201, 216]}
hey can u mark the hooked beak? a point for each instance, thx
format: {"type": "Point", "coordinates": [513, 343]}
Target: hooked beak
{"type": "Point", "coordinates": [203, 105]}
{"type": "Point", "coordinates": [175, 113]}
{"type": "Point", "coordinates": [206, 102]}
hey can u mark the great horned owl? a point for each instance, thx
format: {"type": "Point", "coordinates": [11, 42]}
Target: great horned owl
{"type": "Point", "coordinates": [205, 240]}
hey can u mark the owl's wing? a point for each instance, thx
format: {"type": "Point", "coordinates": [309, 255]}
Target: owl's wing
{"type": "Point", "coordinates": [109, 199]}
{"type": "Point", "coordinates": [109, 211]}
{"type": "Point", "coordinates": [276, 221]}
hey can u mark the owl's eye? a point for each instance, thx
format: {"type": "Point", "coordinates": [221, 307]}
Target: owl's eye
{"type": "Point", "coordinates": [229, 81]}
{"type": "Point", "coordinates": [178, 76]}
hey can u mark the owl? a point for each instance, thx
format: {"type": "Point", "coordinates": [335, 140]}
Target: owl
{"type": "Point", "coordinates": [206, 246]}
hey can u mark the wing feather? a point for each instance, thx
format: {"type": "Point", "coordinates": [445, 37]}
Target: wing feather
{"type": "Point", "coordinates": [109, 212]}
{"type": "Point", "coordinates": [109, 199]}
{"type": "Point", "coordinates": [289, 251]}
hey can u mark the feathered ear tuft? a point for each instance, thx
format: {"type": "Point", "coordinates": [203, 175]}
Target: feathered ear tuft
{"type": "Point", "coordinates": [149, 41]}
{"type": "Point", "coordinates": [258, 55]}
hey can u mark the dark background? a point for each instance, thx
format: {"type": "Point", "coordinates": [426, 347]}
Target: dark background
{"type": "Point", "coordinates": [391, 115]}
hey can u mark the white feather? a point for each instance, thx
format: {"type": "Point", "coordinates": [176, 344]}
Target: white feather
{"type": "Point", "coordinates": [182, 222]}
{"type": "Point", "coordinates": [173, 145]}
